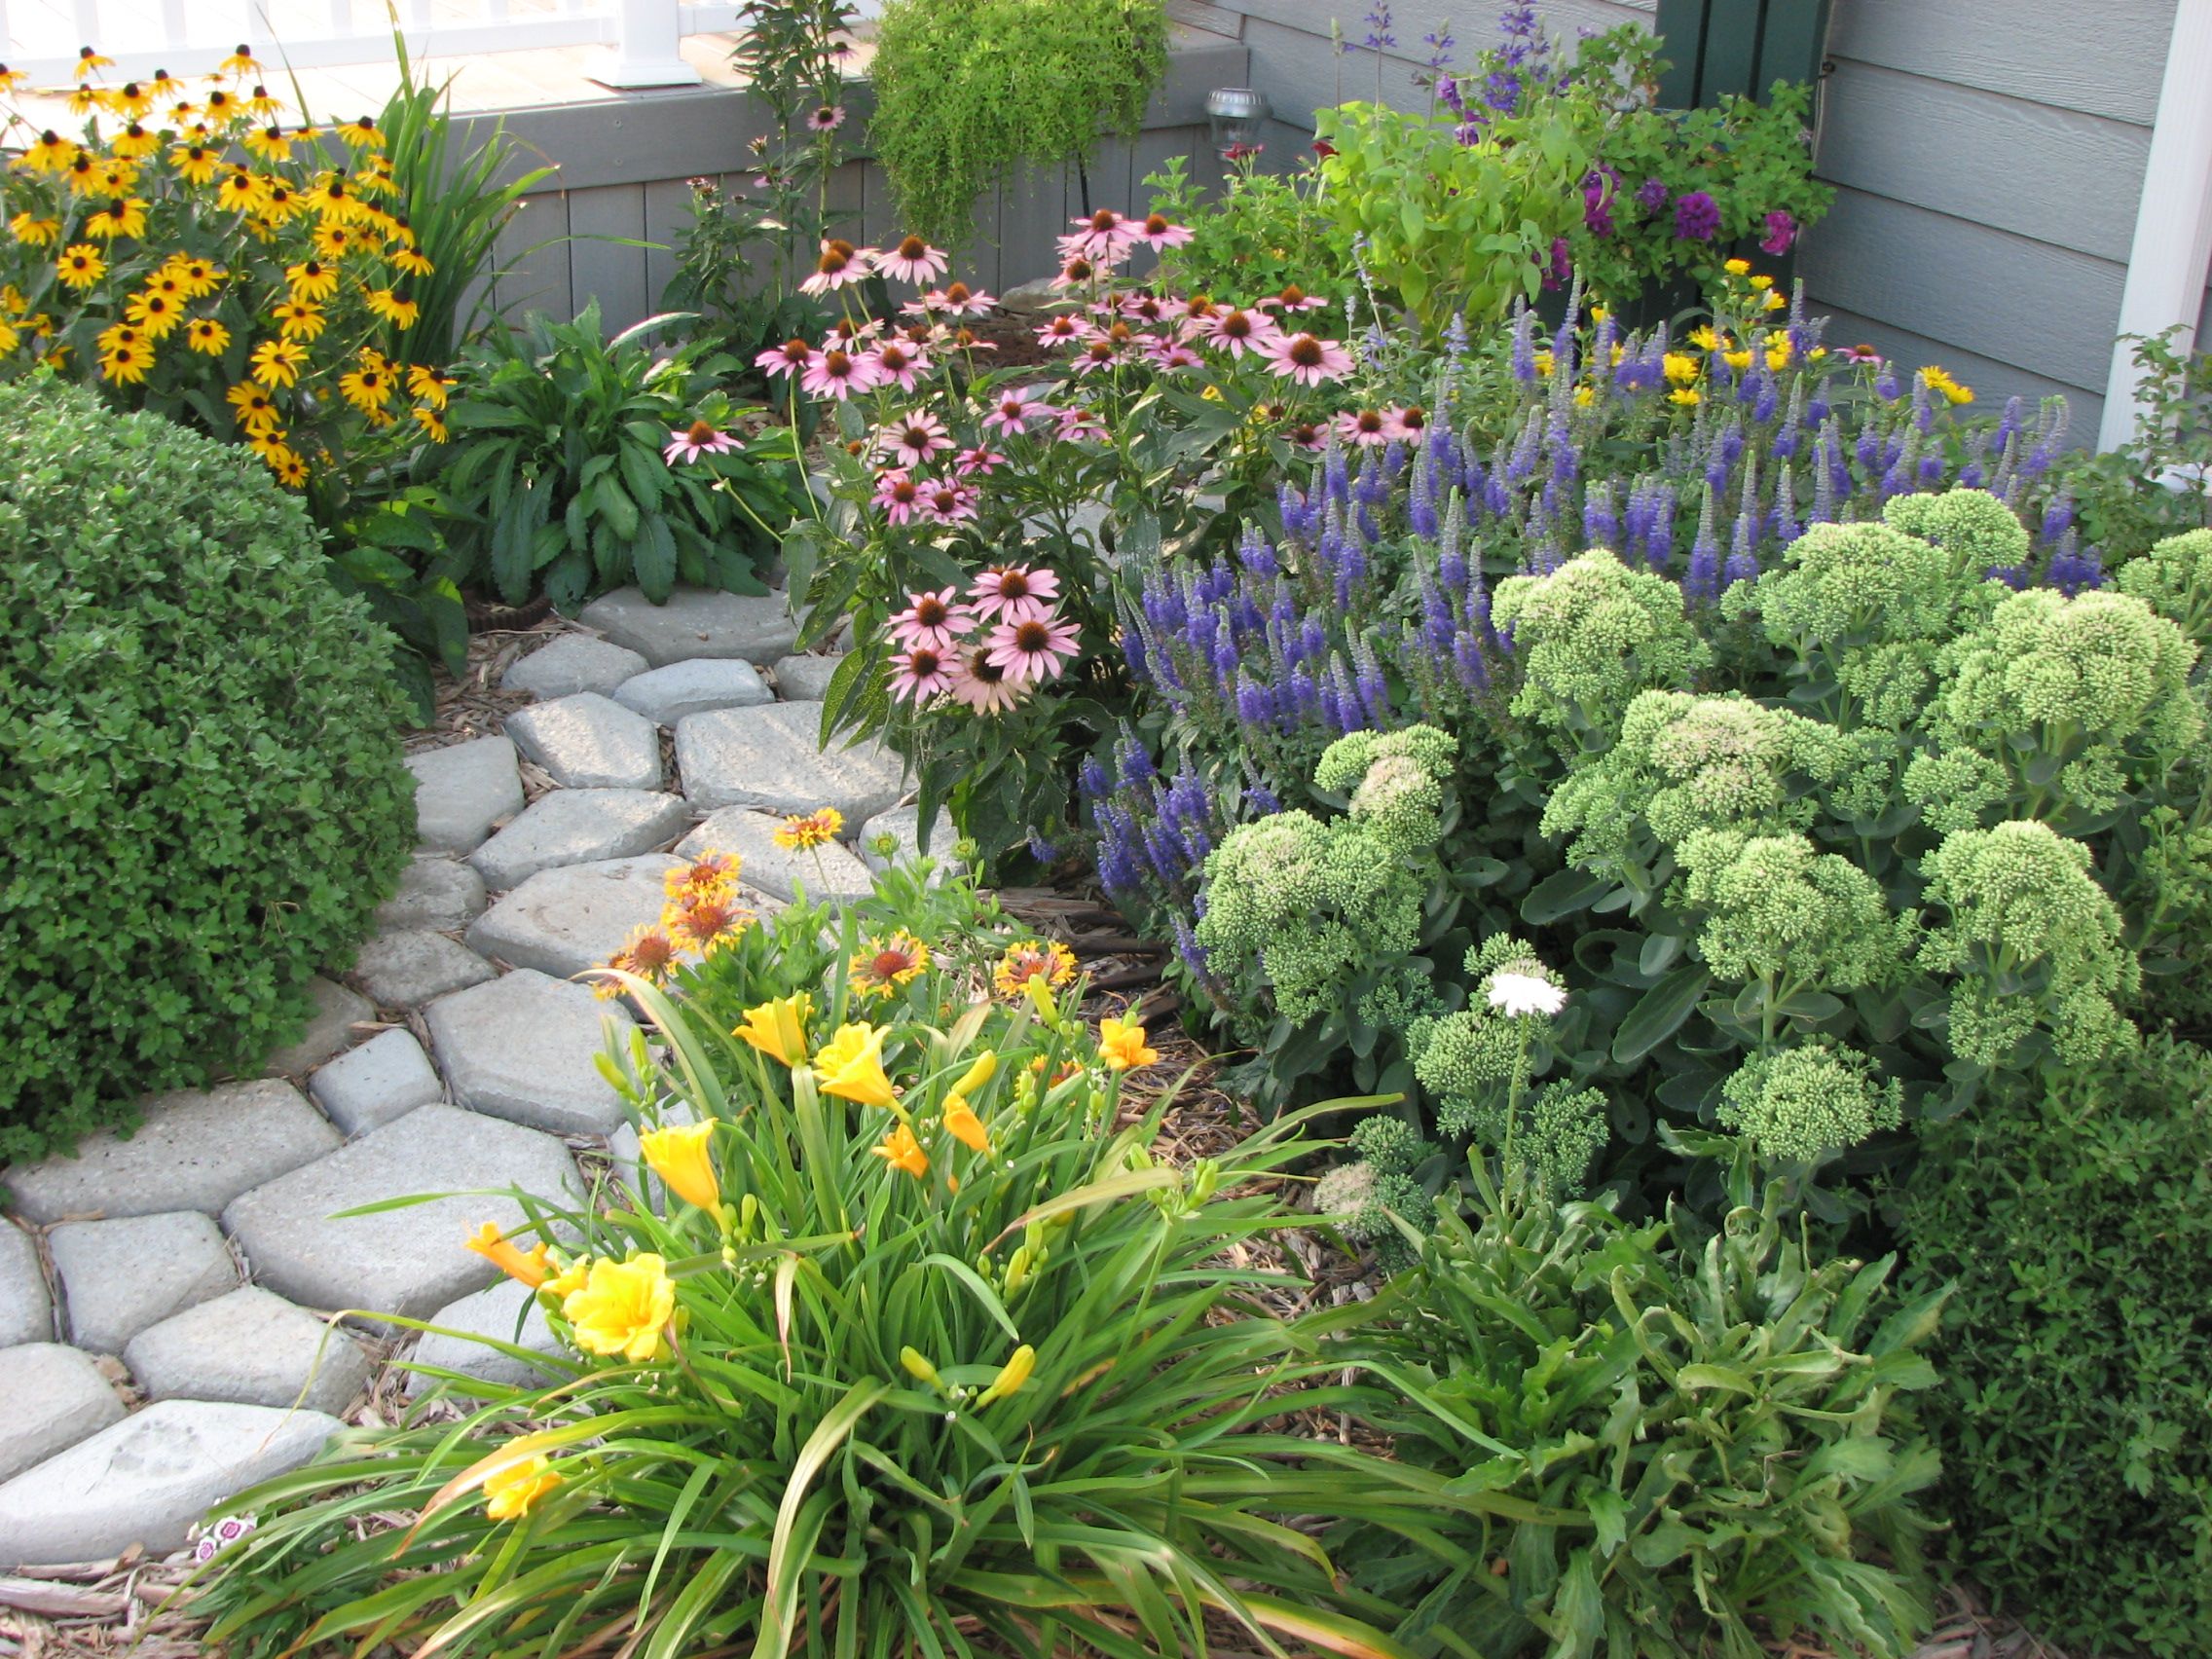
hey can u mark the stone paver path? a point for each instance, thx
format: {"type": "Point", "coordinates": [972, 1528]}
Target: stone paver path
{"type": "Point", "coordinates": [207, 1256]}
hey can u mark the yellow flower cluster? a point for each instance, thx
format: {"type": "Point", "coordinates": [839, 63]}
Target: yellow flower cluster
{"type": "Point", "coordinates": [1941, 381]}
{"type": "Point", "coordinates": [192, 242]}
{"type": "Point", "coordinates": [703, 914]}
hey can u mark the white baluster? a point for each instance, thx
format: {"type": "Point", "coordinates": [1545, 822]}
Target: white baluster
{"type": "Point", "coordinates": [647, 47]}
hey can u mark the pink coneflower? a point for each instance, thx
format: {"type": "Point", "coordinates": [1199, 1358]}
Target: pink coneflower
{"type": "Point", "coordinates": [932, 621]}
{"type": "Point", "coordinates": [1306, 359]}
{"type": "Point", "coordinates": [1293, 298]}
{"type": "Point", "coordinates": [1065, 329]}
{"type": "Point", "coordinates": [825, 118]}
{"type": "Point", "coordinates": [851, 335]}
{"type": "Point", "coordinates": [1859, 354]}
{"type": "Point", "coordinates": [795, 356]}
{"type": "Point", "coordinates": [913, 261]}
{"type": "Point", "coordinates": [1198, 307]}
{"type": "Point", "coordinates": [919, 673]}
{"type": "Point", "coordinates": [837, 373]}
{"type": "Point", "coordinates": [1015, 410]}
{"type": "Point", "coordinates": [913, 440]}
{"type": "Point", "coordinates": [1157, 233]}
{"type": "Point", "coordinates": [977, 459]}
{"type": "Point", "coordinates": [1363, 427]}
{"type": "Point", "coordinates": [898, 496]}
{"type": "Point", "coordinates": [1100, 351]}
{"type": "Point", "coordinates": [981, 684]}
{"type": "Point", "coordinates": [1071, 426]}
{"type": "Point", "coordinates": [1237, 332]}
{"type": "Point", "coordinates": [1033, 648]}
{"type": "Point", "coordinates": [1307, 435]}
{"type": "Point", "coordinates": [1148, 308]}
{"type": "Point", "coordinates": [954, 299]}
{"type": "Point", "coordinates": [1106, 237]}
{"type": "Point", "coordinates": [1076, 274]}
{"type": "Point", "coordinates": [1172, 354]}
{"type": "Point", "coordinates": [699, 438]}
{"type": "Point", "coordinates": [1014, 593]}
{"type": "Point", "coordinates": [945, 503]}
{"type": "Point", "coordinates": [1404, 423]}
{"type": "Point", "coordinates": [840, 266]}
{"type": "Point", "coordinates": [899, 365]}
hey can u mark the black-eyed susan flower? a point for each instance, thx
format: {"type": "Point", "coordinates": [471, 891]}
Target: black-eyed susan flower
{"type": "Point", "coordinates": [881, 966]}
{"type": "Point", "coordinates": [400, 313]}
{"type": "Point", "coordinates": [279, 201]}
{"type": "Point", "coordinates": [291, 471]}
{"type": "Point", "coordinates": [295, 321]}
{"type": "Point", "coordinates": [432, 422]}
{"type": "Point", "coordinates": [11, 337]}
{"type": "Point", "coordinates": [262, 105]}
{"type": "Point", "coordinates": [12, 80]}
{"type": "Point", "coordinates": [80, 266]}
{"type": "Point", "coordinates": [125, 355]}
{"type": "Point", "coordinates": [184, 115]}
{"type": "Point", "coordinates": [407, 260]}
{"type": "Point", "coordinates": [312, 281]}
{"type": "Point", "coordinates": [123, 218]}
{"type": "Point", "coordinates": [334, 240]}
{"type": "Point", "coordinates": [131, 100]}
{"type": "Point", "coordinates": [163, 85]}
{"type": "Point", "coordinates": [220, 106]}
{"type": "Point", "coordinates": [427, 385]}
{"type": "Point", "coordinates": [206, 336]}
{"type": "Point", "coordinates": [90, 62]}
{"type": "Point", "coordinates": [135, 143]}
{"type": "Point", "coordinates": [254, 410]}
{"type": "Point", "coordinates": [240, 191]}
{"type": "Point", "coordinates": [375, 177]}
{"type": "Point", "coordinates": [86, 100]}
{"type": "Point", "coordinates": [34, 230]}
{"type": "Point", "coordinates": [362, 133]}
{"type": "Point", "coordinates": [268, 144]}
{"type": "Point", "coordinates": [48, 152]}
{"type": "Point", "coordinates": [197, 276]}
{"type": "Point", "coordinates": [80, 172]}
{"type": "Point", "coordinates": [240, 62]}
{"type": "Point", "coordinates": [367, 388]}
{"type": "Point", "coordinates": [117, 179]}
{"type": "Point", "coordinates": [154, 312]}
{"type": "Point", "coordinates": [278, 362]}
{"type": "Point", "coordinates": [272, 448]}
{"type": "Point", "coordinates": [196, 163]}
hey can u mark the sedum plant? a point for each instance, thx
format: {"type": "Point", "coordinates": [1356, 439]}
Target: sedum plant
{"type": "Point", "coordinates": [900, 1341]}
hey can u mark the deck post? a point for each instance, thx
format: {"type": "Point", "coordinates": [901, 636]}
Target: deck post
{"type": "Point", "coordinates": [647, 47]}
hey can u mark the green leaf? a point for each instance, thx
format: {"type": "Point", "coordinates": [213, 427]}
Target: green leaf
{"type": "Point", "coordinates": [1660, 1012]}
{"type": "Point", "coordinates": [1562, 894]}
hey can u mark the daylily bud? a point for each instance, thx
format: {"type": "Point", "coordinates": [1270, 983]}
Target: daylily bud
{"type": "Point", "coordinates": [1040, 998]}
{"type": "Point", "coordinates": [985, 1067]}
{"type": "Point", "coordinates": [917, 1367]}
{"type": "Point", "coordinates": [1012, 1376]}
{"type": "Point", "coordinates": [964, 1126]}
{"type": "Point", "coordinates": [1017, 1270]}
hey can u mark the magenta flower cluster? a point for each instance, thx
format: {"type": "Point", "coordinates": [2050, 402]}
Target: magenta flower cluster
{"type": "Point", "coordinates": [985, 647]}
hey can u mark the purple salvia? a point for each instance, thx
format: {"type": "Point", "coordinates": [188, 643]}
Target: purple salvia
{"type": "Point", "coordinates": [1599, 527]}
{"type": "Point", "coordinates": [1703, 583]}
{"type": "Point", "coordinates": [1468, 663]}
{"type": "Point", "coordinates": [1659, 549]}
{"type": "Point", "coordinates": [1524, 344]}
{"type": "Point", "coordinates": [2057, 518]}
{"type": "Point", "coordinates": [1786, 526]}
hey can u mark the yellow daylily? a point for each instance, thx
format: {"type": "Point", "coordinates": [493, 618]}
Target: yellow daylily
{"type": "Point", "coordinates": [680, 1156]}
{"type": "Point", "coordinates": [1013, 1374]}
{"type": "Point", "coordinates": [1121, 1045]}
{"type": "Point", "coordinates": [902, 1151]}
{"type": "Point", "coordinates": [850, 1066]}
{"type": "Point", "coordinates": [513, 1491]}
{"type": "Point", "coordinates": [494, 1248]}
{"type": "Point", "coordinates": [623, 1309]}
{"type": "Point", "coordinates": [979, 1074]}
{"type": "Point", "coordinates": [963, 1126]}
{"type": "Point", "coordinates": [778, 1028]}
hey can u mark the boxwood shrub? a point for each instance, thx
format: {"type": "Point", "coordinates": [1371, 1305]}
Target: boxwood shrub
{"type": "Point", "coordinates": [2074, 1412]}
{"type": "Point", "coordinates": [202, 799]}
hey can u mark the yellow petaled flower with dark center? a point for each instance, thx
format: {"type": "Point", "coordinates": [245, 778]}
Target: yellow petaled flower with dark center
{"type": "Point", "coordinates": [649, 954]}
{"type": "Point", "coordinates": [127, 363]}
{"type": "Point", "coordinates": [135, 143]}
{"type": "Point", "coordinates": [816, 828]}
{"type": "Point", "coordinates": [279, 201]}
{"type": "Point", "coordinates": [156, 313]}
{"type": "Point", "coordinates": [261, 106]}
{"type": "Point", "coordinates": [49, 153]}
{"type": "Point", "coordinates": [434, 424]}
{"type": "Point", "coordinates": [362, 133]}
{"type": "Point", "coordinates": [80, 266]}
{"type": "Point", "coordinates": [366, 389]}
{"type": "Point", "coordinates": [513, 1489]}
{"type": "Point", "coordinates": [623, 1309]}
{"type": "Point", "coordinates": [882, 965]}
{"type": "Point", "coordinates": [268, 144]}
{"type": "Point", "coordinates": [254, 410]}
{"type": "Point", "coordinates": [334, 240]}
{"type": "Point", "coordinates": [270, 446]}
{"type": "Point", "coordinates": [126, 218]}
{"type": "Point", "coordinates": [1033, 959]}
{"type": "Point", "coordinates": [427, 387]}
{"type": "Point", "coordinates": [31, 229]}
{"type": "Point", "coordinates": [291, 471]}
{"type": "Point", "coordinates": [117, 179]}
{"type": "Point", "coordinates": [400, 313]}
{"type": "Point", "coordinates": [205, 335]}
{"type": "Point", "coordinates": [240, 191]}
{"type": "Point", "coordinates": [195, 163]}
{"type": "Point", "coordinates": [297, 322]}
{"type": "Point", "coordinates": [278, 362]}
{"type": "Point", "coordinates": [412, 262]}
{"type": "Point", "coordinates": [82, 170]}
{"type": "Point", "coordinates": [311, 281]}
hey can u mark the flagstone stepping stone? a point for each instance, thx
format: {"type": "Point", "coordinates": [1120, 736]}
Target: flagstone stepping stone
{"type": "Point", "coordinates": [410, 1260]}
{"type": "Point", "coordinates": [589, 742]}
{"type": "Point", "coordinates": [381, 1081]}
{"type": "Point", "coordinates": [329, 1030]}
{"type": "Point", "coordinates": [695, 622]}
{"type": "Point", "coordinates": [119, 1276]}
{"type": "Point", "coordinates": [408, 968]}
{"type": "Point", "coordinates": [571, 663]}
{"type": "Point", "coordinates": [149, 1477]}
{"type": "Point", "coordinates": [903, 825]}
{"type": "Point", "coordinates": [768, 758]}
{"type": "Point", "coordinates": [252, 1347]}
{"type": "Point", "coordinates": [526, 1047]}
{"type": "Point", "coordinates": [563, 921]}
{"type": "Point", "coordinates": [665, 695]}
{"type": "Point", "coordinates": [462, 790]}
{"type": "Point", "coordinates": [437, 893]}
{"type": "Point", "coordinates": [55, 1397]}
{"type": "Point", "coordinates": [805, 678]}
{"type": "Point", "coordinates": [491, 1313]}
{"type": "Point", "coordinates": [569, 826]}
{"type": "Point", "coordinates": [193, 1150]}
{"type": "Point", "coordinates": [828, 871]}
{"type": "Point", "coordinates": [26, 1312]}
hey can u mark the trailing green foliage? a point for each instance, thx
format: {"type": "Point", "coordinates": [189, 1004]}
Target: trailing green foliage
{"type": "Point", "coordinates": [200, 767]}
{"type": "Point", "coordinates": [562, 485]}
{"type": "Point", "coordinates": [1263, 232]}
{"type": "Point", "coordinates": [1686, 1453]}
{"type": "Point", "coordinates": [966, 90]}
{"type": "Point", "coordinates": [2075, 1218]}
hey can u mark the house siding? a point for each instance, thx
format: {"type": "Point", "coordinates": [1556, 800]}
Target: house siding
{"type": "Point", "coordinates": [1988, 156]}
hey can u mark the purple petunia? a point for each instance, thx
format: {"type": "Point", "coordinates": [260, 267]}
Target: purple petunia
{"type": "Point", "coordinates": [1651, 195]}
{"type": "Point", "coordinates": [1697, 217]}
{"type": "Point", "coordinates": [1781, 233]}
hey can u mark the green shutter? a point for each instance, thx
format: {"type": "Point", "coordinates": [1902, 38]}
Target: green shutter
{"type": "Point", "coordinates": [1718, 47]}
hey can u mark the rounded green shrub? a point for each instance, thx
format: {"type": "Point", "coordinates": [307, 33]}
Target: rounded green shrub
{"type": "Point", "coordinates": [200, 787]}
{"type": "Point", "coordinates": [2075, 1416]}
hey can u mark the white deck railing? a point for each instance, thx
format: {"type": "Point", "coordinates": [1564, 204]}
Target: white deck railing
{"type": "Point", "coordinates": [189, 37]}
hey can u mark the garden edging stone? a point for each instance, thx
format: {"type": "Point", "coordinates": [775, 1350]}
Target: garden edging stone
{"type": "Point", "coordinates": [589, 742]}
{"type": "Point", "coordinates": [770, 758]}
{"type": "Point", "coordinates": [119, 1276]}
{"type": "Point", "coordinates": [251, 1348]}
{"type": "Point", "coordinates": [409, 968]}
{"type": "Point", "coordinates": [525, 1048]}
{"type": "Point", "coordinates": [570, 827]}
{"type": "Point", "coordinates": [570, 663]}
{"type": "Point", "coordinates": [55, 1397]}
{"type": "Point", "coordinates": [665, 695]}
{"type": "Point", "coordinates": [563, 921]}
{"type": "Point", "coordinates": [695, 622]}
{"type": "Point", "coordinates": [462, 789]}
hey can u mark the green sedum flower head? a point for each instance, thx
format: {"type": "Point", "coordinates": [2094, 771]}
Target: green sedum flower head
{"type": "Point", "coordinates": [1975, 531]}
{"type": "Point", "coordinates": [1805, 1102]}
{"type": "Point", "coordinates": [1395, 782]}
{"type": "Point", "coordinates": [1590, 636]}
{"type": "Point", "coordinates": [2034, 940]}
{"type": "Point", "coordinates": [1773, 907]}
{"type": "Point", "coordinates": [2174, 578]}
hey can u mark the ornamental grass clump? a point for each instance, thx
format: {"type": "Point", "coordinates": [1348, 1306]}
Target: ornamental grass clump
{"type": "Point", "coordinates": [900, 1340]}
{"type": "Point", "coordinates": [199, 765]}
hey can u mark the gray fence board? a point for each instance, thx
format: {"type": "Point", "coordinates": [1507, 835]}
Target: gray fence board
{"type": "Point", "coordinates": [2102, 59]}
{"type": "Point", "coordinates": [606, 270]}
